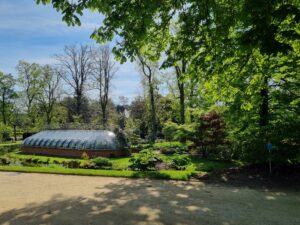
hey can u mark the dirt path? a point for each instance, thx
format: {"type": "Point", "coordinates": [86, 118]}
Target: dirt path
{"type": "Point", "coordinates": [57, 199]}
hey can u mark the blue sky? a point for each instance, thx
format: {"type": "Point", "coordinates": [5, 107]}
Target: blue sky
{"type": "Point", "coordinates": [36, 32]}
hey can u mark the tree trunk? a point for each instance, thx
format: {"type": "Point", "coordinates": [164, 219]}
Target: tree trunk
{"type": "Point", "coordinates": [78, 104]}
{"type": "Point", "coordinates": [182, 106]}
{"type": "Point", "coordinates": [3, 108]}
{"type": "Point", "coordinates": [153, 112]}
{"type": "Point", "coordinates": [104, 116]}
{"type": "Point", "coordinates": [48, 118]}
{"type": "Point", "coordinates": [15, 132]}
{"type": "Point", "coordinates": [264, 107]}
{"type": "Point", "coordinates": [180, 84]}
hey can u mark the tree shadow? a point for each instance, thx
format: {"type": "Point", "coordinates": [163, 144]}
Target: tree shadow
{"type": "Point", "coordinates": [142, 201]}
{"type": "Point", "coordinates": [256, 176]}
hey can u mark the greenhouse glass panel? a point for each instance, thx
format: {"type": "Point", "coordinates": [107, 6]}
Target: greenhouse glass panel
{"type": "Point", "coordinates": [74, 139]}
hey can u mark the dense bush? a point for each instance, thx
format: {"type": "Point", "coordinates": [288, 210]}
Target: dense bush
{"type": "Point", "coordinates": [5, 132]}
{"type": "Point", "coordinates": [4, 160]}
{"type": "Point", "coordinates": [144, 160]}
{"type": "Point", "coordinates": [33, 161]}
{"type": "Point", "coordinates": [181, 162]}
{"type": "Point", "coordinates": [168, 151]}
{"type": "Point", "coordinates": [121, 137]}
{"type": "Point", "coordinates": [102, 162]}
{"type": "Point", "coordinates": [210, 136]}
{"type": "Point", "coordinates": [88, 165]}
{"type": "Point", "coordinates": [251, 144]}
{"type": "Point", "coordinates": [207, 132]}
{"type": "Point", "coordinates": [175, 132]}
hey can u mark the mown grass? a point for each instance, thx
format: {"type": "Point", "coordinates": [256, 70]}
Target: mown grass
{"type": "Point", "coordinates": [119, 166]}
{"type": "Point", "coordinates": [163, 174]}
{"type": "Point", "coordinates": [20, 155]}
{"type": "Point", "coordinates": [10, 144]}
{"type": "Point", "coordinates": [122, 163]}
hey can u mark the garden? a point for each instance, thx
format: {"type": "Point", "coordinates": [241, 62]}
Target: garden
{"type": "Point", "coordinates": [164, 160]}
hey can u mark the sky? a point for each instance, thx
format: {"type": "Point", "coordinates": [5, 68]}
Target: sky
{"type": "Point", "coordinates": [35, 33]}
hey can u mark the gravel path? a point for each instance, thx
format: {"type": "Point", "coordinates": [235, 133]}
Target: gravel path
{"type": "Point", "coordinates": [28, 199]}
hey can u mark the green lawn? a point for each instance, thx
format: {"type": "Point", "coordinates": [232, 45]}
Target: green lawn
{"type": "Point", "coordinates": [119, 167]}
{"type": "Point", "coordinates": [163, 174]}
{"type": "Point", "coordinates": [20, 155]}
{"type": "Point", "coordinates": [9, 144]}
{"type": "Point", "coordinates": [198, 164]}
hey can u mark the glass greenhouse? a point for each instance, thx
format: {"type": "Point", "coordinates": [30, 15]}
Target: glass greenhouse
{"type": "Point", "coordinates": [74, 139]}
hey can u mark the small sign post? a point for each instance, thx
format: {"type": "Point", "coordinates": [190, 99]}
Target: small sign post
{"type": "Point", "coordinates": [269, 148]}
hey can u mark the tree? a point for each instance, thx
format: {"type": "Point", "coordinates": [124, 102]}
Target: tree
{"type": "Point", "coordinates": [137, 112]}
{"type": "Point", "coordinates": [76, 67]}
{"type": "Point", "coordinates": [104, 70]}
{"type": "Point", "coordinates": [31, 83]}
{"type": "Point", "coordinates": [148, 69]}
{"type": "Point", "coordinates": [50, 92]}
{"type": "Point", "coordinates": [121, 110]}
{"type": "Point", "coordinates": [240, 55]}
{"type": "Point", "coordinates": [7, 93]}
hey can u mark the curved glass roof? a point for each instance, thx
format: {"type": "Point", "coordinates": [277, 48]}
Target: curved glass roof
{"type": "Point", "coordinates": [74, 139]}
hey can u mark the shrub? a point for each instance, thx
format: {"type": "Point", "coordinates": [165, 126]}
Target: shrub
{"type": "Point", "coordinates": [56, 162]}
{"type": "Point", "coordinates": [175, 132]}
{"type": "Point", "coordinates": [85, 156]}
{"type": "Point", "coordinates": [88, 165]}
{"type": "Point", "coordinates": [68, 164]}
{"type": "Point", "coordinates": [180, 162]}
{"type": "Point", "coordinates": [210, 136]}
{"type": "Point", "coordinates": [171, 147]}
{"type": "Point", "coordinates": [169, 130]}
{"type": "Point", "coordinates": [144, 160]}
{"type": "Point", "coordinates": [5, 132]}
{"type": "Point", "coordinates": [4, 160]}
{"type": "Point", "coordinates": [168, 151]}
{"type": "Point", "coordinates": [121, 137]}
{"type": "Point", "coordinates": [102, 162]}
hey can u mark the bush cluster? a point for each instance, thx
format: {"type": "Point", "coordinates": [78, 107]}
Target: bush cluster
{"type": "Point", "coordinates": [4, 160]}
{"type": "Point", "coordinates": [181, 162]}
{"type": "Point", "coordinates": [144, 160]}
{"type": "Point", "coordinates": [207, 132]}
{"type": "Point", "coordinates": [101, 162]}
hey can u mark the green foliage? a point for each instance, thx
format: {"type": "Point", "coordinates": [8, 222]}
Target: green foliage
{"type": "Point", "coordinates": [181, 162]}
{"type": "Point", "coordinates": [101, 162]}
{"type": "Point", "coordinates": [87, 165]}
{"type": "Point", "coordinates": [210, 136]}
{"type": "Point", "coordinates": [5, 132]}
{"type": "Point", "coordinates": [170, 144]}
{"type": "Point", "coordinates": [175, 132]}
{"type": "Point", "coordinates": [164, 174]}
{"type": "Point", "coordinates": [144, 160]}
{"type": "Point", "coordinates": [4, 160]}
{"type": "Point", "coordinates": [170, 148]}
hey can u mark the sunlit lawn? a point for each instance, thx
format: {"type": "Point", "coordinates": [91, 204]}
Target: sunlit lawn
{"type": "Point", "coordinates": [122, 163]}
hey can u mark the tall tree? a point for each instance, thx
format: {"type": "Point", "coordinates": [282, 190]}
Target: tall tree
{"type": "Point", "coordinates": [31, 83]}
{"type": "Point", "coordinates": [104, 70]}
{"type": "Point", "coordinates": [50, 92]}
{"type": "Point", "coordinates": [7, 93]}
{"type": "Point", "coordinates": [148, 69]}
{"type": "Point", "coordinates": [76, 67]}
